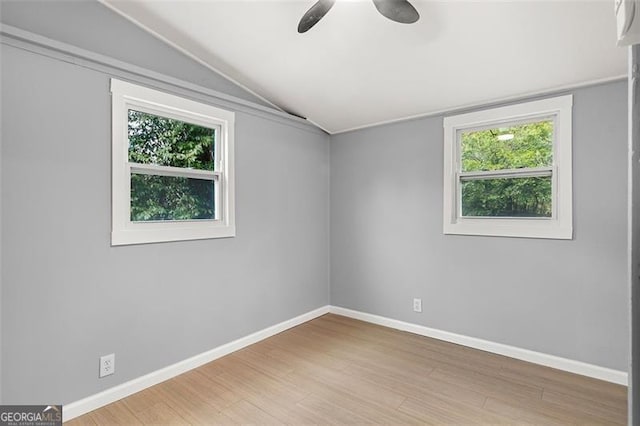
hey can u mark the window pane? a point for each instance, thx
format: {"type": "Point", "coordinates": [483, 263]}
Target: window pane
{"type": "Point", "coordinates": [513, 147]}
{"type": "Point", "coordinates": [168, 142]}
{"type": "Point", "coordinates": [508, 197]}
{"type": "Point", "coordinates": [171, 198]}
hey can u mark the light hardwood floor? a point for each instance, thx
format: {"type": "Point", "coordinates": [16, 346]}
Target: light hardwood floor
{"type": "Point", "coordinates": [336, 370]}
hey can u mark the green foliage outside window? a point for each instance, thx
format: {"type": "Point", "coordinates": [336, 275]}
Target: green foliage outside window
{"type": "Point", "coordinates": [167, 142]}
{"type": "Point", "coordinates": [527, 145]}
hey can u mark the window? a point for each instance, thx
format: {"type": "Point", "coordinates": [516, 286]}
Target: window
{"type": "Point", "coordinates": [507, 171]}
{"type": "Point", "coordinates": [172, 167]}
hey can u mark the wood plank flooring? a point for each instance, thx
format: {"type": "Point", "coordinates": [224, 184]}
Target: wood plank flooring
{"type": "Point", "coordinates": [336, 370]}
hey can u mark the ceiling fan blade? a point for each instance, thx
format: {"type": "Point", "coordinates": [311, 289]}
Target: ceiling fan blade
{"type": "Point", "coordinates": [397, 10]}
{"type": "Point", "coordinates": [314, 14]}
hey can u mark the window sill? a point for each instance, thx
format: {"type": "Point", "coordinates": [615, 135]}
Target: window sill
{"type": "Point", "coordinates": [147, 236]}
{"type": "Point", "coordinates": [511, 227]}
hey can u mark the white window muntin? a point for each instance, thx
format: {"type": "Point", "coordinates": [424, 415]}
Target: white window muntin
{"type": "Point", "coordinates": [560, 225]}
{"type": "Point", "coordinates": [505, 173]}
{"type": "Point", "coordinates": [127, 96]}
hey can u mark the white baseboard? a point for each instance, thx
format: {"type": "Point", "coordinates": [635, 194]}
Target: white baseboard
{"type": "Point", "coordinates": [123, 390]}
{"type": "Point", "coordinates": [577, 367]}
{"type": "Point", "coordinates": [116, 393]}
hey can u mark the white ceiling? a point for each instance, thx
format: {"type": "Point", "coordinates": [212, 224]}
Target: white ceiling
{"type": "Point", "coordinates": [356, 68]}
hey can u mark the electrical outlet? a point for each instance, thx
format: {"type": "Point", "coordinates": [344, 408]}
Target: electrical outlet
{"type": "Point", "coordinates": [107, 365]}
{"type": "Point", "coordinates": [417, 305]}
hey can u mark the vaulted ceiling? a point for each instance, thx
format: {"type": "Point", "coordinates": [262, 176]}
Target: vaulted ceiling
{"type": "Point", "coordinates": [356, 68]}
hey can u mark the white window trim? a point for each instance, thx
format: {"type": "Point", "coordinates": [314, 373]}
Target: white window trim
{"type": "Point", "coordinates": [127, 96]}
{"type": "Point", "coordinates": [560, 225]}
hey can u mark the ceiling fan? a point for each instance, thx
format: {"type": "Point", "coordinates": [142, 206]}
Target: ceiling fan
{"type": "Point", "coordinates": [397, 10]}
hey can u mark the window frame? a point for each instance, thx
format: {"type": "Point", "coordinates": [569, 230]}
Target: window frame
{"type": "Point", "coordinates": [560, 224]}
{"type": "Point", "coordinates": [127, 96]}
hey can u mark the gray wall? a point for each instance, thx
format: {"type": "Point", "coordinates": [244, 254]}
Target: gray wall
{"type": "Point", "coordinates": [565, 298]}
{"type": "Point", "coordinates": [90, 25]}
{"type": "Point", "coordinates": [68, 297]}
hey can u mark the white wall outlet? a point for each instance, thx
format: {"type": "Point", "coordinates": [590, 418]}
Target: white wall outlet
{"type": "Point", "coordinates": [417, 305]}
{"type": "Point", "coordinates": [107, 365]}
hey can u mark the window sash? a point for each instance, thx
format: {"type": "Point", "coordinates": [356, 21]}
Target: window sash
{"type": "Point", "coordinates": [152, 169]}
{"type": "Point", "coordinates": [505, 174]}
{"type": "Point", "coordinates": [530, 119]}
{"type": "Point", "coordinates": [190, 118]}
{"type": "Point", "coordinates": [524, 172]}
{"type": "Point", "coordinates": [155, 170]}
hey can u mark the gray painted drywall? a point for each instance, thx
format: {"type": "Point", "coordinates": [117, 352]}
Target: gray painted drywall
{"type": "Point", "coordinates": [566, 298]}
{"type": "Point", "coordinates": [90, 25]}
{"type": "Point", "coordinates": [634, 235]}
{"type": "Point", "coordinates": [69, 297]}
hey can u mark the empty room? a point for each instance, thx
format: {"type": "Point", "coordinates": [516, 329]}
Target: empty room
{"type": "Point", "coordinates": [319, 212]}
